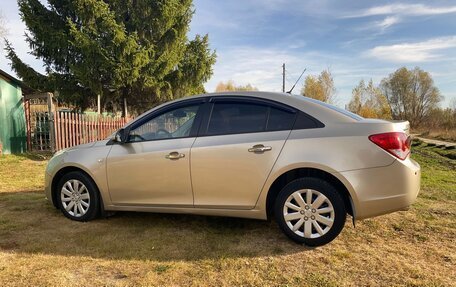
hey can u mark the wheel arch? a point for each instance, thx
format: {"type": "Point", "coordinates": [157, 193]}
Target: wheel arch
{"type": "Point", "coordinates": [341, 185]}
{"type": "Point", "coordinates": [60, 173]}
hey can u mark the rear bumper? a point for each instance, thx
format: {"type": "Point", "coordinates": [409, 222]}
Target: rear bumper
{"type": "Point", "coordinates": [385, 189]}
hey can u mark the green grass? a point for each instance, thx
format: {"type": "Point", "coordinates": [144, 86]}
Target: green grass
{"type": "Point", "coordinates": [438, 172]}
{"type": "Point", "coordinates": [40, 247]}
{"type": "Point", "coordinates": [22, 172]}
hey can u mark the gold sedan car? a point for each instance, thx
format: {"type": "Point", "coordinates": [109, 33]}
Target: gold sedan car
{"type": "Point", "coordinates": [251, 154]}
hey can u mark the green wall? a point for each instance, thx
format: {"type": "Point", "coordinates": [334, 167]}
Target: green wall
{"type": "Point", "coordinates": [12, 118]}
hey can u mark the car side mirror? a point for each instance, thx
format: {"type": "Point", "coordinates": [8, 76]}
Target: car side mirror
{"type": "Point", "coordinates": [120, 136]}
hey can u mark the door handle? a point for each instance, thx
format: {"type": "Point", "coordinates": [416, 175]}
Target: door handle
{"type": "Point", "coordinates": [174, 155]}
{"type": "Point", "coordinates": [259, 148]}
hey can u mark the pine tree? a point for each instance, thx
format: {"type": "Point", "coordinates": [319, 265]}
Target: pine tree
{"type": "Point", "coordinates": [134, 49]}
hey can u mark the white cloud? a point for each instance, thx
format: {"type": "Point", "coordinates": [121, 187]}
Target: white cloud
{"type": "Point", "coordinates": [379, 27]}
{"type": "Point", "coordinates": [260, 67]}
{"type": "Point", "coordinates": [298, 44]}
{"type": "Point", "coordinates": [395, 13]}
{"type": "Point", "coordinates": [413, 52]}
{"type": "Point", "coordinates": [15, 29]}
{"type": "Point", "coordinates": [403, 9]}
{"type": "Point", "coordinates": [387, 22]}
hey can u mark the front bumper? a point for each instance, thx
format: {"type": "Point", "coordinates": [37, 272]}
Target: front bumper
{"type": "Point", "coordinates": [48, 187]}
{"type": "Point", "coordinates": [385, 189]}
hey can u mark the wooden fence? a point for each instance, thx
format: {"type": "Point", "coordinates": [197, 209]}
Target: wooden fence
{"type": "Point", "coordinates": [73, 128]}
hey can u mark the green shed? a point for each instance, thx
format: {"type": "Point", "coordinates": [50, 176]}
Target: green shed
{"type": "Point", "coordinates": [12, 117]}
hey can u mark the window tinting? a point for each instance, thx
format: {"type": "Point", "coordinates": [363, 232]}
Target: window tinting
{"type": "Point", "coordinates": [232, 118]}
{"type": "Point", "coordinates": [280, 120]}
{"type": "Point", "coordinates": [303, 121]}
{"type": "Point", "coordinates": [176, 123]}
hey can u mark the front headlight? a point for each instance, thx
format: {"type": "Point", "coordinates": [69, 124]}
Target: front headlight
{"type": "Point", "coordinates": [55, 161]}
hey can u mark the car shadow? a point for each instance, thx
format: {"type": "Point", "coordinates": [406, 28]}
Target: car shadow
{"type": "Point", "coordinates": [31, 225]}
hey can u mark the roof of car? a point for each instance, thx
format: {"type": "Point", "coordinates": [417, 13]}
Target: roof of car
{"type": "Point", "coordinates": [315, 108]}
{"type": "Point", "coordinates": [319, 110]}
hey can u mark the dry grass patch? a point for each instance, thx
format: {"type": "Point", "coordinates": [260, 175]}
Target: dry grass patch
{"type": "Point", "coordinates": [22, 172]}
{"type": "Point", "coordinates": [40, 247]}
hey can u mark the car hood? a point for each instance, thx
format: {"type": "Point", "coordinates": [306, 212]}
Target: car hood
{"type": "Point", "coordinates": [87, 145]}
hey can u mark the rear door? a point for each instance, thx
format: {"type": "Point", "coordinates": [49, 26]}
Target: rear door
{"type": "Point", "coordinates": [239, 142]}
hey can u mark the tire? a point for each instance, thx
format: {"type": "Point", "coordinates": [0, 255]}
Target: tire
{"type": "Point", "coordinates": [78, 196]}
{"type": "Point", "coordinates": [314, 224]}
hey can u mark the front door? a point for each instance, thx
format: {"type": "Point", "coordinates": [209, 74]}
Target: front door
{"type": "Point", "coordinates": [153, 166]}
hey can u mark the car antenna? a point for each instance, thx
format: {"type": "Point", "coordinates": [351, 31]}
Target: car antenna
{"type": "Point", "coordinates": [291, 90]}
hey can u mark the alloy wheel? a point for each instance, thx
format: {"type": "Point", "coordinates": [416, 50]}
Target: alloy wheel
{"type": "Point", "coordinates": [75, 198]}
{"type": "Point", "coordinates": [308, 213]}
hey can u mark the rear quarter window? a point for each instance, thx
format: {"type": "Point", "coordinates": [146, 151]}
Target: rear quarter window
{"type": "Point", "coordinates": [304, 121]}
{"type": "Point", "coordinates": [280, 120]}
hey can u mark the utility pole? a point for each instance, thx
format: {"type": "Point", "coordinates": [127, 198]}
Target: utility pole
{"type": "Point", "coordinates": [283, 78]}
{"type": "Point", "coordinates": [125, 111]}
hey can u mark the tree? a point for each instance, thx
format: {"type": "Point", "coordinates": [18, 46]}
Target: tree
{"type": "Point", "coordinates": [320, 87]}
{"type": "Point", "coordinates": [440, 119]}
{"type": "Point", "coordinates": [369, 101]}
{"type": "Point", "coordinates": [453, 104]}
{"type": "Point", "coordinates": [231, 86]}
{"type": "Point", "coordinates": [411, 94]}
{"type": "Point", "coordinates": [118, 49]}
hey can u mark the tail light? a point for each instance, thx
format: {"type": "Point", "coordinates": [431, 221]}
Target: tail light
{"type": "Point", "coordinates": [396, 143]}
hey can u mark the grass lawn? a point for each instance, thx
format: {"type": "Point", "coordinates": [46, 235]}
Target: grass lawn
{"type": "Point", "coordinates": [39, 246]}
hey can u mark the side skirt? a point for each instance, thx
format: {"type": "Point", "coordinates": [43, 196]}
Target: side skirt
{"type": "Point", "coordinates": [252, 213]}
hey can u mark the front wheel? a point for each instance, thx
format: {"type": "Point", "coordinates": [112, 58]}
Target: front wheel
{"type": "Point", "coordinates": [78, 196]}
{"type": "Point", "coordinates": [310, 211]}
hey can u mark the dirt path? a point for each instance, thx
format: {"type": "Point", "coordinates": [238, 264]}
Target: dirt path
{"type": "Point", "coordinates": [435, 142]}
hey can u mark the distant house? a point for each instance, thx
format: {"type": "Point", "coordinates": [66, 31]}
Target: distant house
{"type": "Point", "coordinates": [12, 116]}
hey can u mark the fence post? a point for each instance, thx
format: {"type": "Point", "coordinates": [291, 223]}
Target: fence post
{"type": "Point", "coordinates": [57, 131]}
{"type": "Point", "coordinates": [67, 135]}
{"type": "Point", "coordinates": [28, 124]}
{"type": "Point", "coordinates": [51, 122]}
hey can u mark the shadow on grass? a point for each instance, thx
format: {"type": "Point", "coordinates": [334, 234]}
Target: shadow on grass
{"type": "Point", "coordinates": [29, 224]}
{"type": "Point", "coordinates": [34, 156]}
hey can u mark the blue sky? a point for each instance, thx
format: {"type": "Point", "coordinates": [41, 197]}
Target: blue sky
{"type": "Point", "coordinates": [354, 39]}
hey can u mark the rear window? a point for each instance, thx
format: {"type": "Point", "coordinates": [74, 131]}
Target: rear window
{"type": "Point", "coordinates": [334, 108]}
{"type": "Point", "coordinates": [243, 117]}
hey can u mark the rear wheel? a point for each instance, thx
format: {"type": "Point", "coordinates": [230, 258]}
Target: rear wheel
{"type": "Point", "coordinates": [78, 196]}
{"type": "Point", "coordinates": [310, 211]}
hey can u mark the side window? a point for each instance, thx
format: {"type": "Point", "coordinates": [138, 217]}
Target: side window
{"type": "Point", "coordinates": [280, 120]}
{"type": "Point", "coordinates": [234, 118]}
{"type": "Point", "coordinates": [304, 121]}
{"type": "Point", "coordinates": [175, 123]}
